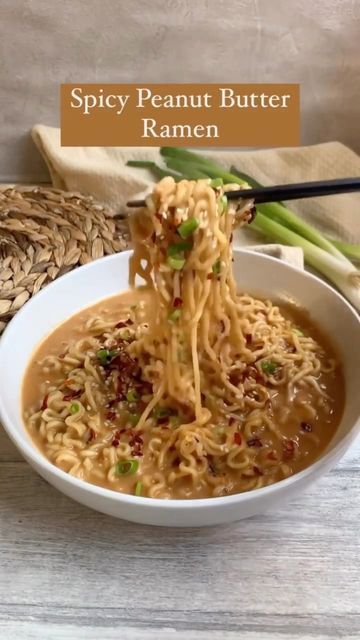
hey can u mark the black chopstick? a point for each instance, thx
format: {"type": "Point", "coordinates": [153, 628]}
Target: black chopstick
{"type": "Point", "coordinates": [287, 191]}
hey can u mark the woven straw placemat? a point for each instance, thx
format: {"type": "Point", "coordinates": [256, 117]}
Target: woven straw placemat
{"type": "Point", "coordinates": [45, 233]}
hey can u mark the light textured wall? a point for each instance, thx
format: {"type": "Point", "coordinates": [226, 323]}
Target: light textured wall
{"type": "Point", "coordinates": [44, 43]}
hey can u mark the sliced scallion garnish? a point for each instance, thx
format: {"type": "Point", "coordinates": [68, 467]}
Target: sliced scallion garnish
{"type": "Point", "coordinates": [161, 412]}
{"type": "Point", "coordinates": [176, 263]}
{"type": "Point", "coordinates": [74, 407]}
{"type": "Point", "coordinates": [132, 396]}
{"type": "Point", "coordinates": [222, 204]}
{"type": "Point", "coordinates": [105, 356]}
{"type": "Point", "coordinates": [138, 488]}
{"type": "Point", "coordinates": [216, 268]}
{"type": "Point", "coordinates": [186, 228]}
{"type": "Point", "coordinates": [134, 418]}
{"type": "Point", "coordinates": [268, 367]}
{"type": "Point", "coordinates": [297, 332]}
{"type": "Point", "coordinates": [175, 250]}
{"type": "Point", "coordinates": [175, 315]}
{"type": "Point", "coordinates": [175, 421]}
{"type": "Point", "coordinates": [126, 467]}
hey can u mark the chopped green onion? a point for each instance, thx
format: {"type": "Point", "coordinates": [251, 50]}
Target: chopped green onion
{"type": "Point", "coordinates": [105, 356]}
{"type": "Point", "coordinates": [176, 263]}
{"type": "Point", "coordinates": [175, 250]}
{"type": "Point", "coordinates": [188, 227]}
{"type": "Point", "coordinates": [161, 412]}
{"type": "Point", "coordinates": [268, 367]}
{"type": "Point", "coordinates": [222, 204]}
{"type": "Point", "coordinates": [125, 334]}
{"type": "Point", "coordinates": [132, 396]}
{"type": "Point", "coordinates": [126, 467]}
{"type": "Point", "coordinates": [297, 332]}
{"type": "Point", "coordinates": [216, 268]}
{"type": "Point", "coordinates": [138, 488]}
{"type": "Point", "coordinates": [216, 182]}
{"type": "Point", "coordinates": [175, 315]}
{"type": "Point", "coordinates": [74, 407]}
{"type": "Point", "coordinates": [175, 421]}
{"type": "Point", "coordinates": [134, 418]}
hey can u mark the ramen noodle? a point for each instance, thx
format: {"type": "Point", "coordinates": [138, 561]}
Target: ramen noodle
{"type": "Point", "coordinates": [183, 388]}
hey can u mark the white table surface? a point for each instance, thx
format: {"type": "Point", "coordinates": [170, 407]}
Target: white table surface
{"type": "Point", "coordinates": [69, 573]}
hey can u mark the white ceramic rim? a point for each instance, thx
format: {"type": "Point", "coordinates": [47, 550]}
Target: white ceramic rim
{"type": "Point", "coordinates": [32, 453]}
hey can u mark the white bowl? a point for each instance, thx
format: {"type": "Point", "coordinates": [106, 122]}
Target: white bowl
{"type": "Point", "coordinates": [258, 274]}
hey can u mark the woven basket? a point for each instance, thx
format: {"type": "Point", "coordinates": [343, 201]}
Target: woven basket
{"type": "Point", "coordinates": [45, 233]}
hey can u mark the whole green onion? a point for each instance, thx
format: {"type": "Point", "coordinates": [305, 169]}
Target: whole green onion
{"type": "Point", "coordinates": [186, 169]}
{"type": "Point", "coordinates": [352, 251]}
{"type": "Point", "coordinates": [341, 272]}
{"type": "Point", "coordinates": [216, 182]}
{"type": "Point", "coordinates": [147, 164]}
{"type": "Point", "coordinates": [126, 467]}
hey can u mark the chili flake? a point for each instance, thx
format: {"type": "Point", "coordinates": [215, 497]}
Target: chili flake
{"type": "Point", "coordinates": [306, 426]}
{"type": "Point", "coordinates": [272, 455]}
{"type": "Point", "coordinates": [288, 449]}
{"type": "Point", "coordinates": [254, 442]}
{"type": "Point", "coordinates": [91, 436]}
{"type": "Point", "coordinates": [237, 438]}
{"type": "Point", "coordinates": [257, 471]}
{"type": "Point", "coordinates": [72, 395]}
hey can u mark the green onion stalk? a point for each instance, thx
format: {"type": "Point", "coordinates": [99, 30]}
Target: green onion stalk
{"type": "Point", "coordinates": [273, 220]}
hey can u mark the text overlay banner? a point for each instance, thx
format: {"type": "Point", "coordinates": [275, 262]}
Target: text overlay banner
{"type": "Point", "coordinates": [226, 115]}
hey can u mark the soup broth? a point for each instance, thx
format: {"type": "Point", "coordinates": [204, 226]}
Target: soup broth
{"type": "Point", "coordinates": [85, 391]}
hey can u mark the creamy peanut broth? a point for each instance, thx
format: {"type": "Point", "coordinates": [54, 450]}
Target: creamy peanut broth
{"type": "Point", "coordinates": [86, 389]}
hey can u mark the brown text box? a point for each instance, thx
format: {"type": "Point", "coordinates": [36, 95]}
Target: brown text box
{"type": "Point", "coordinates": [225, 115]}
